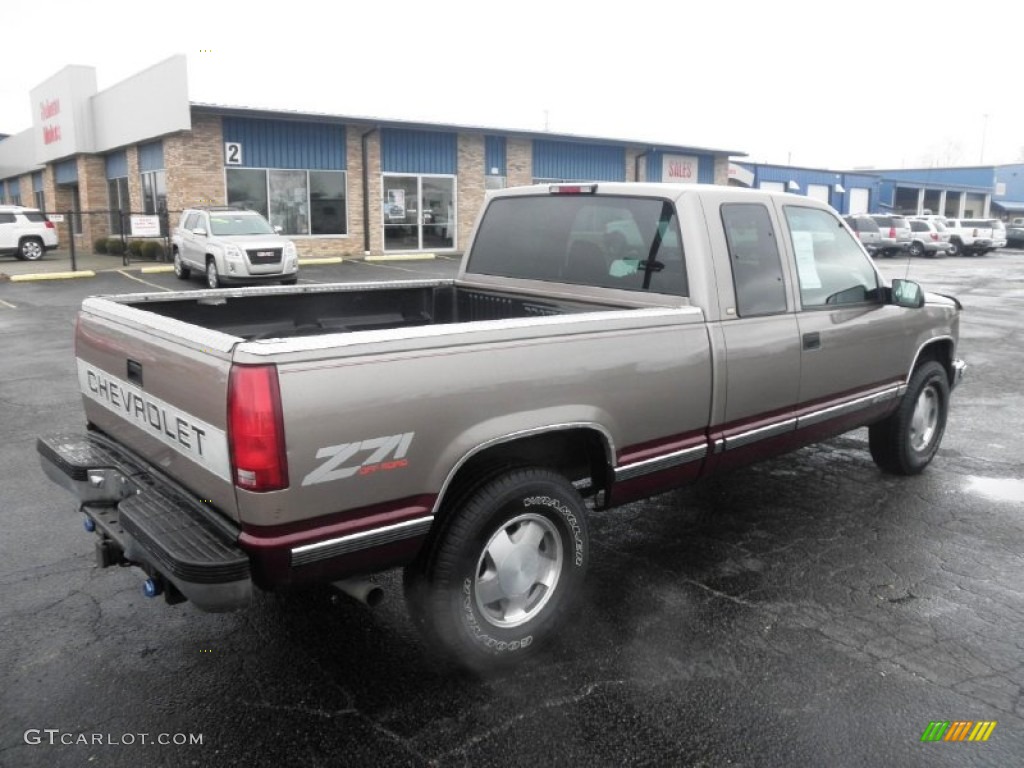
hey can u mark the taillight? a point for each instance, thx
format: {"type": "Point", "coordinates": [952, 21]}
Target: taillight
{"type": "Point", "coordinates": [49, 224]}
{"type": "Point", "coordinates": [892, 232]}
{"type": "Point", "coordinates": [256, 429]}
{"type": "Point", "coordinates": [935, 236]}
{"type": "Point", "coordinates": [975, 233]}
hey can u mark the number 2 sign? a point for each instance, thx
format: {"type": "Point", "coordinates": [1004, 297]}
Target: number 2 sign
{"type": "Point", "coordinates": [232, 153]}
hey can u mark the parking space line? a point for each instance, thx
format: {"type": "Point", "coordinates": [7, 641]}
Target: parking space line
{"type": "Point", "coordinates": [140, 280]}
{"type": "Point", "coordinates": [7, 304]}
{"type": "Point", "coordinates": [378, 265]}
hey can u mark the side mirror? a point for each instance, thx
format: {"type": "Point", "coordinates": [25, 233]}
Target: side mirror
{"type": "Point", "coordinates": [278, 228]}
{"type": "Point", "coordinates": [199, 232]}
{"type": "Point", "coordinates": [907, 293]}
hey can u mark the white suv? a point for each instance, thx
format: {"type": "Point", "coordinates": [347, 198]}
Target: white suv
{"type": "Point", "coordinates": [232, 246]}
{"type": "Point", "coordinates": [25, 232]}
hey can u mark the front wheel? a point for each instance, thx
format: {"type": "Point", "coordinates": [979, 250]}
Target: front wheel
{"type": "Point", "coordinates": [905, 442]}
{"type": "Point", "coordinates": [956, 248]}
{"type": "Point", "coordinates": [212, 278]}
{"type": "Point", "coordinates": [490, 588]}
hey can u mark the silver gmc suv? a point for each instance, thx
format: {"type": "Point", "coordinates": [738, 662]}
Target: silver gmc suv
{"type": "Point", "coordinates": [231, 245]}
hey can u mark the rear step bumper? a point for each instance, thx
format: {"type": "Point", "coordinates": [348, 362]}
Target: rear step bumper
{"type": "Point", "coordinates": [145, 518]}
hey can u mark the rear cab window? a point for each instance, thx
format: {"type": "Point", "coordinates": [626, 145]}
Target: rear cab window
{"type": "Point", "coordinates": [608, 241]}
{"type": "Point", "coordinates": [754, 259]}
{"type": "Point", "coordinates": [831, 267]}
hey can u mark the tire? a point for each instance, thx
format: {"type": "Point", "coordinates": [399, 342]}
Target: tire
{"type": "Point", "coordinates": [212, 278]}
{"type": "Point", "coordinates": [915, 249]}
{"type": "Point", "coordinates": [290, 281]}
{"type": "Point", "coordinates": [905, 442]}
{"type": "Point", "coordinates": [31, 249]}
{"type": "Point", "coordinates": [506, 565]}
{"type": "Point", "coordinates": [180, 270]}
{"type": "Point", "coordinates": [957, 248]}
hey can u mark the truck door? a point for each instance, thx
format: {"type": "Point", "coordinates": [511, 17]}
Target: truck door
{"type": "Point", "coordinates": [761, 337]}
{"type": "Point", "coordinates": [852, 343]}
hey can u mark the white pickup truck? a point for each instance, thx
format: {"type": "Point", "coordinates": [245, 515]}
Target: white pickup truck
{"type": "Point", "coordinates": [601, 343]}
{"type": "Point", "coordinates": [969, 236]}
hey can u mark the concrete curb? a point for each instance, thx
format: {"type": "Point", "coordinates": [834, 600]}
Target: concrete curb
{"type": "Point", "coordinates": [156, 270]}
{"type": "Point", "coordinates": [401, 257]}
{"type": "Point", "coordinates": [311, 262]}
{"type": "Point", "coordinates": [51, 276]}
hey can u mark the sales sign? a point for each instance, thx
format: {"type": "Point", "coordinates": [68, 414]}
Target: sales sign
{"type": "Point", "coordinates": [679, 168]}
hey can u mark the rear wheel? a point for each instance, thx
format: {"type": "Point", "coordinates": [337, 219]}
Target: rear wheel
{"type": "Point", "coordinates": [508, 562]}
{"type": "Point", "coordinates": [290, 281]}
{"type": "Point", "coordinates": [916, 249]}
{"type": "Point", "coordinates": [956, 248]}
{"type": "Point", "coordinates": [905, 442]}
{"type": "Point", "coordinates": [212, 278]}
{"type": "Point", "coordinates": [31, 249]}
{"type": "Point", "coordinates": [180, 270]}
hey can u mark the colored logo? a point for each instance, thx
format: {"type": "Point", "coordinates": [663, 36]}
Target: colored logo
{"type": "Point", "coordinates": [958, 730]}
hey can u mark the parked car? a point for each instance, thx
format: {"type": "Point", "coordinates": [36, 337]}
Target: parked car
{"type": "Point", "coordinates": [232, 246]}
{"type": "Point", "coordinates": [26, 233]}
{"type": "Point", "coordinates": [929, 237]}
{"type": "Point", "coordinates": [970, 236]}
{"type": "Point", "coordinates": [895, 231]}
{"type": "Point", "coordinates": [866, 230]}
{"type": "Point", "coordinates": [1015, 233]}
{"type": "Point", "coordinates": [999, 238]}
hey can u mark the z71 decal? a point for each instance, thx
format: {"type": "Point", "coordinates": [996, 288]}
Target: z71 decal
{"type": "Point", "coordinates": [384, 453]}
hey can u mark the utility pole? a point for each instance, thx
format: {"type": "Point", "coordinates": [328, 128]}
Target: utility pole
{"type": "Point", "coordinates": [984, 130]}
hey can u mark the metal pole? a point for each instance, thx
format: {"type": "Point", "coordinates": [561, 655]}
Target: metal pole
{"type": "Point", "coordinates": [125, 256]}
{"type": "Point", "coordinates": [69, 217]}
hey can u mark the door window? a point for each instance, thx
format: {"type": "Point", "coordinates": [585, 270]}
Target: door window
{"type": "Point", "coordinates": [831, 267]}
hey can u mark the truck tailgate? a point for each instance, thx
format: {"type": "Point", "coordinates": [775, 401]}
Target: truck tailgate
{"type": "Point", "coordinates": [159, 386]}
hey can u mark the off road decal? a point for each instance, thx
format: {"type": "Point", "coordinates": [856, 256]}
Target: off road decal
{"type": "Point", "coordinates": [193, 438]}
{"type": "Point", "coordinates": [383, 454]}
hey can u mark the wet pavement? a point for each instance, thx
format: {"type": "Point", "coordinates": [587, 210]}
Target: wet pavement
{"type": "Point", "coordinates": [807, 611]}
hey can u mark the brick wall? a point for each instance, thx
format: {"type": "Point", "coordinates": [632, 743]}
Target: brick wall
{"type": "Point", "coordinates": [194, 161]}
{"type": "Point", "coordinates": [469, 185]}
{"type": "Point", "coordinates": [92, 194]}
{"type": "Point", "coordinates": [721, 170]}
{"type": "Point", "coordinates": [519, 161]}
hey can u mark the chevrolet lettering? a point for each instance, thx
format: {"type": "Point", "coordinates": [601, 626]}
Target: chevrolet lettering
{"type": "Point", "coordinates": [601, 343]}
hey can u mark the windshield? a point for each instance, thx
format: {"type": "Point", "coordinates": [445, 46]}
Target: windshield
{"type": "Point", "coordinates": [239, 224]}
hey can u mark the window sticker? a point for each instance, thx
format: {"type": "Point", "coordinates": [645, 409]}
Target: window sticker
{"type": "Point", "coordinates": [803, 247]}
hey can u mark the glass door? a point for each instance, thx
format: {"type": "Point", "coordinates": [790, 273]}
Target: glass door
{"type": "Point", "coordinates": [418, 213]}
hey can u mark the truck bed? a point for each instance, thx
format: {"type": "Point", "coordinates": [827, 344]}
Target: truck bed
{"type": "Point", "coordinates": [280, 314]}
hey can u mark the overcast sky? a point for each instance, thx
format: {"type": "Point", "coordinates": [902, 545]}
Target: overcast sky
{"type": "Point", "coordinates": [820, 84]}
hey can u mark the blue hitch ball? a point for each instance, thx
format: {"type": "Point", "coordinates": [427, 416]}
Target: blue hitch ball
{"type": "Point", "coordinates": [89, 524]}
{"type": "Point", "coordinates": [152, 588]}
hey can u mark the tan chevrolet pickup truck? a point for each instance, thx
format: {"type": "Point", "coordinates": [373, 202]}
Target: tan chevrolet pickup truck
{"type": "Point", "coordinates": [600, 344]}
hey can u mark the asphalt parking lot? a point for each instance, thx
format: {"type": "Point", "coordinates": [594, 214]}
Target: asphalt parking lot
{"type": "Point", "coordinates": [807, 611]}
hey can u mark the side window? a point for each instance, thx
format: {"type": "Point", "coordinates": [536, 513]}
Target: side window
{"type": "Point", "coordinates": [6, 218]}
{"type": "Point", "coordinates": [190, 222]}
{"type": "Point", "coordinates": [918, 226]}
{"type": "Point", "coordinates": [754, 258]}
{"type": "Point", "coordinates": [831, 267]}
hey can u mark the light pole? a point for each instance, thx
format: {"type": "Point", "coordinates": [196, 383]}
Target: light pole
{"type": "Point", "coordinates": [984, 130]}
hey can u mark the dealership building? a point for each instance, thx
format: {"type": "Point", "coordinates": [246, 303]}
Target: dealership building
{"type": "Point", "coordinates": [338, 186]}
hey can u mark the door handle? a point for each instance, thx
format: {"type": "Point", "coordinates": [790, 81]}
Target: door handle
{"type": "Point", "coordinates": [812, 340]}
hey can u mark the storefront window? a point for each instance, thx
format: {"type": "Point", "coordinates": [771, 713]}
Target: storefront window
{"type": "Point", "coordinates": [300, 202]}
{"type": "Point", "coordinates": [247, 188]}
{"type": "Point", "coordinates": [288, 207]}
{"type": "Point", "coordinates": [117, 196]}
{"type": "Point", "coordinates": [327, 203]}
